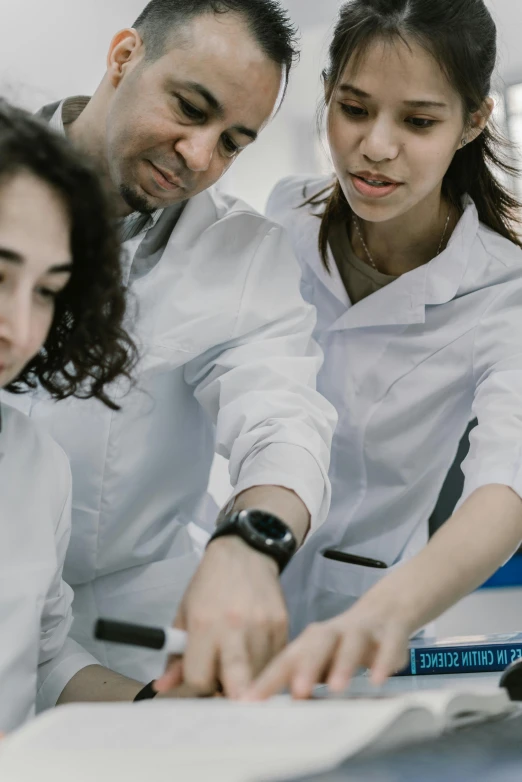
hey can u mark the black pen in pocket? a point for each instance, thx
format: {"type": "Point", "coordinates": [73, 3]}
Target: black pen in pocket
{"type": "Point", "coordinates": [353, 559]}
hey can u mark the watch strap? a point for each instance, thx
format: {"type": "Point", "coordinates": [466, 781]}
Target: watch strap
{"type": "Point", "coordinates": [230, 526]}
{"type": "Point", "coordinates": [146, 693]}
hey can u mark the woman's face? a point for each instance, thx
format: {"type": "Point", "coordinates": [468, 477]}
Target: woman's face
{"type": "Point", "coordinates": [394, 125]}
{"type": "Point", "coordinates": [35, 265]}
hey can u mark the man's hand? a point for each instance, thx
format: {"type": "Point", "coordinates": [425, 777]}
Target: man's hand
{"type": "Point", "coordinates": [236, 619]}
{"type": "Point", "coordinates": [371, 637]}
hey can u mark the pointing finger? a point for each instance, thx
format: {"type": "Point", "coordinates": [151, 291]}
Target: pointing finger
{"type": "Point", "coordinates": [349, 657]}
{"type": "Point", "coordinates": [235, 665]}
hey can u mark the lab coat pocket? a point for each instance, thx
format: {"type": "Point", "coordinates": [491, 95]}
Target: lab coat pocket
{"type": "Point", "coordinates": [336, 586]}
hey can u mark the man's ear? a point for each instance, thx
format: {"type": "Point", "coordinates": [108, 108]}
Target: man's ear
{"type": "Point", "coordinates": [480, 119]}
{"type": "Point", "coordinates": [126, 49]}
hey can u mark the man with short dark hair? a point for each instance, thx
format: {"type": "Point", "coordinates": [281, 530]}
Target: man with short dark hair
{"type": "Point", "coordinates": [227, 362]}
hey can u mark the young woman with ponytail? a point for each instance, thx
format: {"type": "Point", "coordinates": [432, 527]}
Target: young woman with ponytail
{"type": "Point", "coordinates": [412, 258]}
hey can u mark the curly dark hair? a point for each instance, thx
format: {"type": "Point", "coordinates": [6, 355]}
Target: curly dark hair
{"type": "Point", "coordinates": [86, 348]}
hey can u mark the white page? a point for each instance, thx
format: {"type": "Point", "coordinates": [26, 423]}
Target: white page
{"type": "Point", "coordinates": [193, 740]}
{"type": "Point", "coordinates": [214, 740]}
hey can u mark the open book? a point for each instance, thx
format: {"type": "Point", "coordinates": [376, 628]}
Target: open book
{"type": "Point", "coordinates": [220, 741]}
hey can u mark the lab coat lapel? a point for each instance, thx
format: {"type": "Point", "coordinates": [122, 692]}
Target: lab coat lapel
{"type": "Point", "coordinates": [446, 272]}
{"type": "Point", "coordinates": [399, 303]}
{"type": "Point", "coordinates": [307, 248]}
{"type": "Point", "coordinates": [404, 301]}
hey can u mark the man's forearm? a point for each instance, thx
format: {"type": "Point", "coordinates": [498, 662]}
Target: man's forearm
{"type": "Point", "coordinates": [282, 502]}
{"type": "Point", "coordinates": [464, 553]}
{"type": "Point", "coordinates": [96, 683]}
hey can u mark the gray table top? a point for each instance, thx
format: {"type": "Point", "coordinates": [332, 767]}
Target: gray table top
{"type": "Point", "coordinates": [490, 752]}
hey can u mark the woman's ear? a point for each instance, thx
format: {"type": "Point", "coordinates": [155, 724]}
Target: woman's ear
{"type": "Point", "coordinates": [480, 119]}
{"type": "Point", "coordinates": [325, 81]}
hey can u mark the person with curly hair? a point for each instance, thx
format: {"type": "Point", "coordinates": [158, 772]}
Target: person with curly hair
{"type": "Point", "coordinates": [62, 303]}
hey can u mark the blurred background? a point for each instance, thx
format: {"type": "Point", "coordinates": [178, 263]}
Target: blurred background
{"type": "Point", "coordinates": [57, 48]}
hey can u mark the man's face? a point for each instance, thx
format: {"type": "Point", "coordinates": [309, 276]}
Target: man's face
{"type": "Point", "coordinates": [175, 125]}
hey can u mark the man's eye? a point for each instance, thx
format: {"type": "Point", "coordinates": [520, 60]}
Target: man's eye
{"type": "Point", "coordinates": [230, 146]}
{"type": "Point", "coordinates": [190, 111]}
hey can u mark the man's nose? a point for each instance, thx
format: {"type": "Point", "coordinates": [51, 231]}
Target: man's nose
{"type": "Point", "coordinates": [197, 149]}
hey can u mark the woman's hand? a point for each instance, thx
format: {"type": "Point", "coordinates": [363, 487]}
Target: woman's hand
{"type": "Point", "coordinates": [370, 635]}
{"type": "Point", "coordinates": [480, 536]}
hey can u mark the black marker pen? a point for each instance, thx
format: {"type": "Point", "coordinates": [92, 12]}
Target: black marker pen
{"type": "Point", "coordinates": [167, 638]}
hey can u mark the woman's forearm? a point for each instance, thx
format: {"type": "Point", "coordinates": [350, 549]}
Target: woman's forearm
{"type": "Point", "coordinates": [374, 633]}
{"type": "Point", "coordinates": [480, 536]}
{"type": "Point", "coordinates": [96, 683]}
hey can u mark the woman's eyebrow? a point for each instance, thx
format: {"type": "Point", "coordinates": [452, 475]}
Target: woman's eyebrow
{"type": "Point", "coordinates": [14, 257]}
{"type": "Point", "coordinates": [414, 104]}
{"type": "Point", "coordinates": [425, 104]}
{"type": "Point", "coordinates": [10, 255]}
{"type": "Point", "coordinates": [350, 88]}
{"type": "Point", "coordinates": [61, 268]}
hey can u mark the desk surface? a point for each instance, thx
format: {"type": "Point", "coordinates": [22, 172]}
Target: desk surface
{"type": "Point", "coordinates": [490, 752]}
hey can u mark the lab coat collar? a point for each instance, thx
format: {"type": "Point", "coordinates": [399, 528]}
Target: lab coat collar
{"type": "Point", "coordinates": [403, 301]}
{"type": "Point", "coordinates": [197, 216]}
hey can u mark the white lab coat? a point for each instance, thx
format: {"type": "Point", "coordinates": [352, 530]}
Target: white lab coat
{"type": "Point", "coordinates": [407, 368]}
{"type": "Point", "coordinates": [226, 342]}
{"type": "Point", "coordinates": [35, 604]}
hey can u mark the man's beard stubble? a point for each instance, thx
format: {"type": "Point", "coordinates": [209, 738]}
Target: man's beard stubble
{"type": "Point", "coordinates": [137, 202]}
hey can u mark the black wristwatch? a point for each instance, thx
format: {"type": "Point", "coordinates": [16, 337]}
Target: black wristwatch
{"type": "Point", "coordinates": [263, 531]}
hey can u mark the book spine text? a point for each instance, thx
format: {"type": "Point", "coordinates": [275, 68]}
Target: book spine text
{"type": "Point", "coordinates": [463, 659]}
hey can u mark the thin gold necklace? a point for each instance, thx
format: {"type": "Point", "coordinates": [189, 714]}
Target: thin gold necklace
{"type": "Point", "coordinates": [369, 255]}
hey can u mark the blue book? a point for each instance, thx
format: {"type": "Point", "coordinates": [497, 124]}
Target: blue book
{"type": "Point", "coordinates": [466, 654]}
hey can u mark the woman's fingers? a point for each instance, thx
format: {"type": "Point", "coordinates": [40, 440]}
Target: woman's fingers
{"type": "Point", "coordinates": [391, 655]}
{"type": "Point", "coordinates": [351, 654]}
{"type": "Point", "coordinates": [315, 651]}
{"type": "Point", "coordinates": [300, 667]}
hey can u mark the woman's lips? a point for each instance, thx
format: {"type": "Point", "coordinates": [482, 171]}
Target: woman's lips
{"type": "Point", "coordinates": [369, 190]}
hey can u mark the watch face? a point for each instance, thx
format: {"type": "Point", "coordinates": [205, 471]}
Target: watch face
{"type": "Point", "coordinates": [268, 526]}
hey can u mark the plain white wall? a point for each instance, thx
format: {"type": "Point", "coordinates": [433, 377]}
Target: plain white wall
{"type": "Point", "coordinates": [54, 48]}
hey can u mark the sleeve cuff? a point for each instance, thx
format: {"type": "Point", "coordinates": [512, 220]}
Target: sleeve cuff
{"type": "Point", "coordinates": [509, 475]}
{"type": "Point", "coordinates": [54, 675]}
{"type": "Point", "coordinates": [294, 468]}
